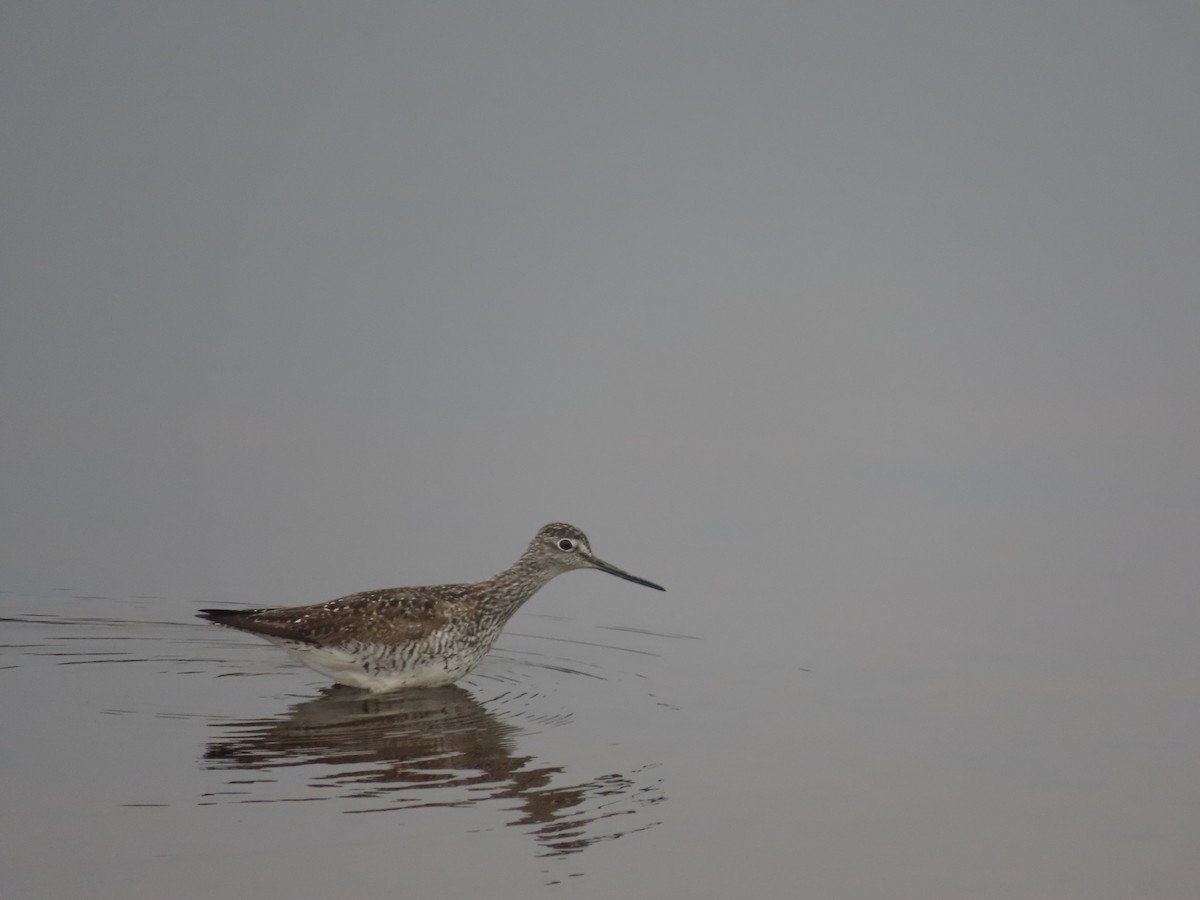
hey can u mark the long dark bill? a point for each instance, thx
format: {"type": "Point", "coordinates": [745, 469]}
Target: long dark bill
{"type": "Point", "coordinates": [621, 573]}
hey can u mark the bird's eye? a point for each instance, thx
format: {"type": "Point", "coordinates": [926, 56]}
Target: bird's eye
{"type": "Point", "coordinates": [566, 544]}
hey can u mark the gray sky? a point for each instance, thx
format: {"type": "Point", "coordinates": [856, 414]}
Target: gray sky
{"type": "Point", "coordinates": [301, 298]}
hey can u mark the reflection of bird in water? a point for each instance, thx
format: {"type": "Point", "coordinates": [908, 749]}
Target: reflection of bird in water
{"type": "Point", "coordinates": [404, 750]}
{"type": "Point", "coordinates": [417, 636]}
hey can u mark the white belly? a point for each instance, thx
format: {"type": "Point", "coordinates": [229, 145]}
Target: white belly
{"type": "Point", "coordinates": [346, 667]}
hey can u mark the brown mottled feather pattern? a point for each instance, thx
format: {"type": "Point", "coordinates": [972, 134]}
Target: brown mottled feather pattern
{"type": "Point", "coordinates": [389, 616]}
{"type": "Point", "coordinates": [413, 636]}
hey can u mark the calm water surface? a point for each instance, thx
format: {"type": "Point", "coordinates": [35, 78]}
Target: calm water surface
{"type": "Point", "coordinates": [151, 755]}
{"type": "Point", "coordinates": [165, 751]}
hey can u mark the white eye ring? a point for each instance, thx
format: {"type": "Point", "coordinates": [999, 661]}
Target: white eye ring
{"type": "Point", "coordinates": [566, 544]}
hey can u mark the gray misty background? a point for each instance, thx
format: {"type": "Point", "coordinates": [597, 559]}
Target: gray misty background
{"type": "Point", "coordinates": [870, 329]}
{"type": "Point", "coordinates": [899, 298]}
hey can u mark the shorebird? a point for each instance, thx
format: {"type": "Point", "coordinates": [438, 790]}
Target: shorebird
{"type": "Point", "coordinates": [417, 636]}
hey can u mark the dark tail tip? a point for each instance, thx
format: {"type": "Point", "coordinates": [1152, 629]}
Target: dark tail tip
{"type": "Point", "coordinates": [220, 616]}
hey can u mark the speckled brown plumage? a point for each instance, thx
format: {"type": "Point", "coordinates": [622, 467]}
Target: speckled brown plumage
{"type": "Point", "coordinates": [417, 636]}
